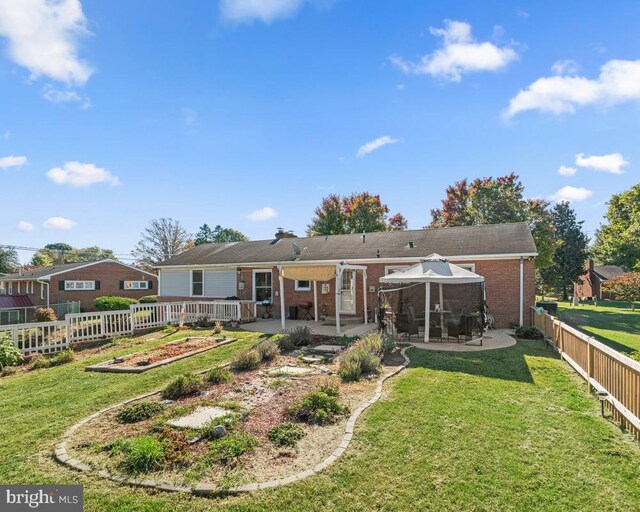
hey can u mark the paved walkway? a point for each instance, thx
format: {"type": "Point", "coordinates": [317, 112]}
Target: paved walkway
{"type": "Point", "coordinates": [498, 338]}
{"type": "Point", "coordinates": [273, 326]}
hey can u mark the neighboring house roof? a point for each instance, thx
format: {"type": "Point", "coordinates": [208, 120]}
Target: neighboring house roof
{"type": "Point", "coordinates": [606, 272]}
{"type": "Point", "coordinates": [497, 240]}
{"type": "Point", "coordinates": [15, 301]}
{"type": "Point", "coordinates": [46, 273]}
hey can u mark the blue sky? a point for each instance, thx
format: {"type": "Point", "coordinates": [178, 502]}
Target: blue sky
{"type": "Point", "coordinates": [246, 113]}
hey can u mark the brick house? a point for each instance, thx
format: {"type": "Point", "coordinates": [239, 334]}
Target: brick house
{"type": "Point", "coordinates": [80, 282]}
{"type": "Point", "coordinates": [590, 284]}
{"type": "Point", "coordinates": [503, 253]}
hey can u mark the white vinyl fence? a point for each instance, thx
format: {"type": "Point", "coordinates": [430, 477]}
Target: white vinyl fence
{"type": "Point", "coordinates": [45, 337]}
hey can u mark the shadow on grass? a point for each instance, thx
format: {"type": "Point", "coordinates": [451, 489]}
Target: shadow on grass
{"type": "Point", "coordinates": [507, 364]}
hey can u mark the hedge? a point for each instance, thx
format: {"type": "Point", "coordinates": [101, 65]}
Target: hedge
{"type": "Point", "coordinates": [113, 303]}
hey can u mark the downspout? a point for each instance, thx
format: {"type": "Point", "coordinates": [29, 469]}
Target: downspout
{"type": "Point", "coordinates": [521, 291]}
{"type": "Point", "coordinates": [42, 283]}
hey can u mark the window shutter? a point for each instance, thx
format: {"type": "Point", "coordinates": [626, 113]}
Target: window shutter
{"type": "Point", "coordinates": [61, 285]}
{"type": "Point", "coordinates": [122, 285]}
{"type": "Point", "coordinates": [97, 285]}
{"type": "Point", "coordinates": [150, 285]}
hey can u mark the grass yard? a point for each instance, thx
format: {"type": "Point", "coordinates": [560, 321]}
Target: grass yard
{"type": "Point", "coordinates": [612, 323]}
{"type": "Point", "coordinates": [512, 429]}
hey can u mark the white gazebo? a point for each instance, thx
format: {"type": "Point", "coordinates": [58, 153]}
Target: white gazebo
{"type": "Point", "coordinates": [322, 273]}
{"type": "Point", "coordinates": [433, 269]}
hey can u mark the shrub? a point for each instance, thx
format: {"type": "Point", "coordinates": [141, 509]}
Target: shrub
{"type": "Point", "coordinates": [148, 299]}
{"type": "Point", "coordinates": [528, 332]}
{"type": "Point", "coordinates": [246, 360]}
{"type": "Point", "coordinates": [38, 362]}
{"type": "Point", "coordinates": [285, 344]}
{"type": "Point", "coordinates": [286, 434]}
{"type": "Point", "coordinates": [359, 357]}
{"type": "Point", "coordinates": [45, 315]}
{"type": "Point", "coordinates": [218, 375]}
{"type": "Point", "coordinates": [389, 343]}
{"type": "Point", "coordinates": [10, 355]}
{"type": "Point", "coordinates": [231, 447]}
{"type": "Point", "coordinates": [211, 429]}
{"type": "Point", "coordinates": [300, 335]}
{"type": "Point", "coordinates": [107, 303]}
{"type": "Point", "coordinates": [183, 385]}
{"type": "Point", "coordinates": [268, 350]}
{"type": "Point", "coordinates": [143, 454]}
{"type": "Point", "coordinates": [203, 321]}
{"type": "Point", "coordinates": [8, 370]}
{"type": "Point", "coordinates": [64, 357]}
{"type": "Point", "coordinates": [176, 447]}
{"type": "Point", "coordinates": [139, 412]}
{"type": "Point", "coordinates": [217, 327]}
{"type": "Point", "coordinates": [319, 406]}
{"type": "Point", "coordinates": [371, 342]}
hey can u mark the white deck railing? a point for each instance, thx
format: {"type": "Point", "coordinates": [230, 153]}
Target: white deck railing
{"type": "Point", "coordinates": [82, 327]}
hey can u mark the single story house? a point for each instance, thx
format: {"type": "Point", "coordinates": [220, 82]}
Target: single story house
{"type": "Point", "coordinates": [504, 254]}
{"type": "Point", "coordinates": [77, 282]}
{"type": "Point", "coordinates": [590, 283]}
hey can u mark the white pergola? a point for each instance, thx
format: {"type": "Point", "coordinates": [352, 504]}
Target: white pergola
{"type": "Point", "coordinates": [315, 273]}
{"type": "Point", "coordinates": [433, 269]}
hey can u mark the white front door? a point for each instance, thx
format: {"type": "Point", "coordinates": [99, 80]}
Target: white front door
{"type": "Point", "coordinates": [347, 292]}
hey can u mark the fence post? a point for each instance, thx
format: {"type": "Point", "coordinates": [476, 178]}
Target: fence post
{"type": "Point", "coordinates": [589, 362]}
{"type": "Point", "coordinates": [67, 319]}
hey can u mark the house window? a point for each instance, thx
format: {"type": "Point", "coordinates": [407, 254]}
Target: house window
{"type": "Point", "coordinates": [471, 267]}
{"type": "Point", "coordinates": [302, 286]}
{"type": "Point", "coordinates": [41, 291]}
{"type": "Point", "coordinates": [136, 285]}
{"type": "Point", "coordinates": [262, 286]}
{"type": "Point", "coordinates": [394, 268]}
{"type": "Point", "coordinates": [79, 285]}
{"type": "Point", "coordinates": [10, 288]}
{"type": "Point", "coordinates": [197, 282]}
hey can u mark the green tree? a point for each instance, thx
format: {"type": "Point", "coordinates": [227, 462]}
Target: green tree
{"type": "Point", "coordinates": [9, 261]}
{"type": "Point", "coordinates": [625, 287]}
{"type": "Point", "coordinates": [206, 235]}
{"type": "Point", "coordinates": [61, 253]}
{"type": "Point", "coordinates": [356, 213]}
{"type": "Point", "coordinates": [571, 250]}
{"type": "Point", "coordinates": [41, 259]}
{"type": "Point", "coordinates": [162, 239]}
{"type": "Point", "coordinates": [495, 201]}
{"type": "Point", "coordinates": [618, 241]}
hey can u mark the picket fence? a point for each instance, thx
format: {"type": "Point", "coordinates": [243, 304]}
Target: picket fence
{"type": "Point", "coordinates": [604, 368]}
{"type": "Point", "coordinates": [48, 337]}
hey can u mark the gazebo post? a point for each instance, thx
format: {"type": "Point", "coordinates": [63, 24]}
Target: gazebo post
{"type": "Point", "coordinates": [315, 300]}
{"type": "Point", "coordinates": [282, 315]}
{"type": "Point", "coordinates": [338, 287]}
{"type": "Point", "coordinates": [364, 294]}
{"type": "Point", "coordinates": [441, 308]}
{"type": "Point", "coordinates": [427, 310]}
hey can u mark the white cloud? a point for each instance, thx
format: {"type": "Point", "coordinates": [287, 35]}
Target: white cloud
{"type": "Point", "coordinates": [25, 226]}
{"type": "Point", "coordinates": [265, 213]}
{"type": "Point", "coordinates": [371, 146]}
{"type": "Point", "coordinates": [78, 174]}
{"type": "Point", "coordinates": [261, 10]}
{"type": "Point", "coordinates": [572, 194]}
{"type": "Point", "coordinates": [54, 95]}
{"type": "Point", "coordinates": [566, 171]}
{"type": "Point", "coordinates": [58, 223]}
{"type": "Point", "coordinates": [618, 82]}
{"type": "Point", "coordinates": [612, 163]}
{"type": "Point", "coordinates": [459, 54]}
{"type": "Point", "coordinates": [43, 37]}
{"type": "Point", "coordinates": [12, 161]}
{"type": "Point", "coordinates": [190, 118]}
{"type": "Point", "coordinates": [565, 67]}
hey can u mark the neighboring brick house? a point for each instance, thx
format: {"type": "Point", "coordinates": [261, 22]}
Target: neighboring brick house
{"type": "Point", "coordinates": [503, 253]}
{"type": "Point", "coordinates": [590, 284]}
{"type": "Point", "coordinates": [80, 282]}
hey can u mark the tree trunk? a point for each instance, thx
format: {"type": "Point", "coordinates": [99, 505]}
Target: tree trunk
{"type": "Point", "coordinates": [565, 294]}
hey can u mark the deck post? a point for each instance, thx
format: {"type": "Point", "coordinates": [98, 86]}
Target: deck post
{"type": "Point", "coordinates": [282, 313]}
{"type": "Point", "coordinates": [338, 288]}
{"type": "Point", "coordinates": [364, 295]}
{"type": "Point", "coordinates": [315, 300]}
{"type": "Point", "coordinates": [427, 311]}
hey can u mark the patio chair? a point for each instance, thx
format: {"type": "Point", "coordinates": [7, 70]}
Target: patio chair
{"type": "Point", "coordinates": [406, 323]}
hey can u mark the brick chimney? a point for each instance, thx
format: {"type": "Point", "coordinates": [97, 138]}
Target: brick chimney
{"type": "Point", "coordinates": [589, 266]}
{"type": "Point", "coordinates": [281, 233]}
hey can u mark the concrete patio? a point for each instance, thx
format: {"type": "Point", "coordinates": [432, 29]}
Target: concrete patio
{"type": "Point", "coordinates": [492, 340]}
{"type": "Point", "coordinates": [273, 326]}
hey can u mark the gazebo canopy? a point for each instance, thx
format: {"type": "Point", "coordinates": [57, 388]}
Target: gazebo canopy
{"type": "Point", "coordinates": [434, 269]}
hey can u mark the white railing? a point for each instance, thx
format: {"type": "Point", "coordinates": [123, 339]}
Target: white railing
{"type": "Point", "coordinates": [41, 337]}
{"type": "Point", "coordinates": [98, 325]}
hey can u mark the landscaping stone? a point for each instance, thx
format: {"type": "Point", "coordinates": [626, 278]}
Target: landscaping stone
{"type": "Point", "coordinates": [328, 349]}
{"type": "Point", "coordinates": [198, 418]}
{"type": "Point", "coordinates": [290, 370]}
{"type": "Point", "coordinates": [313, 359]}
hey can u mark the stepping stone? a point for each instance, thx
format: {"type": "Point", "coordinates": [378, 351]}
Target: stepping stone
{"type": "Point", "coordinates": [198, 418]}
{"type": "Point", "coordinates": [290, 370]}
{"type": "Point", "coordinates": [313, 359]}
{"type": "Point", "coordinates": [328, 349]}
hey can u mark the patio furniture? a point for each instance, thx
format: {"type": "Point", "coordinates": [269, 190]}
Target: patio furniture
{"type": "Point", "coordinates": [404, 322]}
{"type": "Point", "coordinates": [305, 310]}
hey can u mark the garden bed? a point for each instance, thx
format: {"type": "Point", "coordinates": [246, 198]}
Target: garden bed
{"type": "Point", "coordinates": [140, 362]}
{"type": "Point", "coordinates": [257, 400]}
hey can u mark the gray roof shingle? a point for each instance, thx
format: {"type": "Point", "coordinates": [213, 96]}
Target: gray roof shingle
{"type": "Point", "coordinates": [498, 239]}
{"type": "Point", "coordinates": [606, 272]}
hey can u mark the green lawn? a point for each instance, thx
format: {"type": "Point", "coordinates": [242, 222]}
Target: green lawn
{"type": "Point", "coordinates": [612, 323]}
{"type": "Point", "coordinates": [512, 429]}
